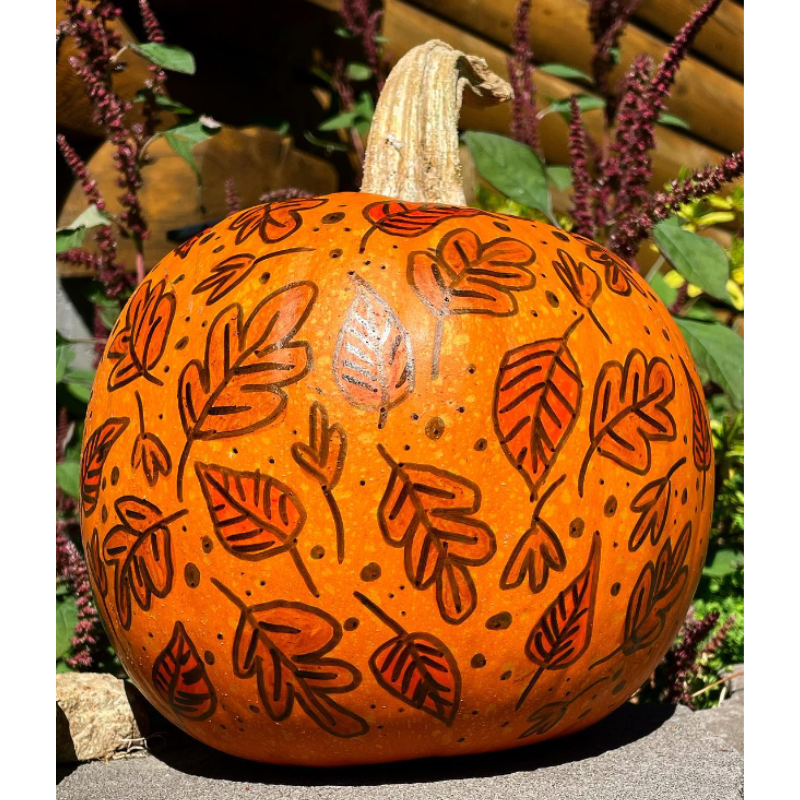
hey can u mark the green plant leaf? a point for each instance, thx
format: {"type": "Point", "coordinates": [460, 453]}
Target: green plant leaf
{"type": "Point", "coordinates": [68, 478]}
{"type": "Point", "coordinates": [343, 33]}
{"type": "Point", "coordinates": [166, 56]}
{"type": "Point", "coordinates": [184, 137]}
{"type": "Point", "coordinates": [74, 234]}
{"type": "Point", "coordinates": [358, 72]}
{"type": "Point", "coordinates": [725, 562]}
{"type": "Point", "coordinates": [64, 356]}
{"type": "Point", "coordinates": [719, 352]}
{"type": "Point", "coordinates": [666, 293]}
{"type": "Point", "coordinates": [560, 177]}
{"type": "Point", "coordinates": [676, 122]}
{"type": "Point", "coordinates": [586, 102]}
{"type": "Point", "coordinates": [565, 71]}
{"type": "Point", "coordinates": [344, 120]}
{"type": "Point", "coordinates": [700, 260]}
{"type": "Point", "coordinates": [512, 168]}
{"type": "Point", "coordinates": [162, 101]}
{"type": "Point", "coordinates": [66, 620]}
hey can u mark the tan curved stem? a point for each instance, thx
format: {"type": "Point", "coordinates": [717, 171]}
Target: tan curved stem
{"type": "Point", "coordinates": [412, 152]}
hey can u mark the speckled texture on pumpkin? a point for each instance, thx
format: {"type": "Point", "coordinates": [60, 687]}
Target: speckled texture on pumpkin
{"type": "Point", "coordinates": [366, 481]}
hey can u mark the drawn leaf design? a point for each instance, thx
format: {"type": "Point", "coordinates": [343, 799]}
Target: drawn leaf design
{"type": "Point", "coordinates": [657, 589]}
{"type": "Point", "coordinates": [152, 456]}
{"type": "Point", "coordinates": [416, 668]}
{"type": "Point", "coordinates": [140, 550]}
{"type": "Point", "coordinates": [373, 363]}
{"type": "Point", "coordinates": [285, 646]}
{"type": "Point", "coordinates": [239, 387]}
{"type": "Point", "coordinates": [180, 677]}
{"type": "Point", "coordinates": [545, 719]}
{"type": "Point", "coordinates": [255, 516]}
{"type": "Point", "coordinates": [410, 219]}
{"type": "Point", "coordinates": [97, 567]}
{"type": "Point", "coordinates": [702, 447]}
{"type": "Point", "coordinates": [430, 513]}
{"type": "Point", "coordinates": [652, 505]}
{"type": "Point", "coordinates": [273, 222]}
{"type": "Point", "coordinates": [538, 551]}
{"type": "Point", "coordinates": [630, 411]}
{"type": "Point", "coordinates": [537, 400]}
{"type": "Point", "coordinates": [93, 457]}
{"type": "Point", "coordinates": [582, 283]}
{"type": "Point", "coordinates": [564, 630]}
{"type": "Point", "coordinates": [465, 276]}
{"type": "Point", "coordinates": [225, 277]}
{"type": "Point", "coordinates": [138, 346]}
{"type": "Point", "coordinates": [620, 277]}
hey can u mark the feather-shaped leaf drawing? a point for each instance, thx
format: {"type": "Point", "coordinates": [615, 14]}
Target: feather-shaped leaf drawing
{"type": "Point", "coordinates": [702, 446]}
{"type": "Point", "coordinates": [537, 399]}
{"type": "Point", "coordinates": [538, 551]}
{"type": "Point", "coordinates": [273, 222]}
{"type": "Point", "coordinates": [94, 455]}
{"type": "Point", "coordinates": [138, 346]}
{"type": "Point", "coordinates": [373, 363]}
{"type": "Point", "coordinates": [545, 718]}
{"type": "Point", "coordinates": [228, 274]}
{"type": "Point", "coordinates": [149, 453]}
{"type": "Point", "coordinates": [140, 551]}
{"type": "Point", "coordinates": [239, 386]}
{"type": "Point", "coordinates": [466, 276]}
{"type": "Point", "coordinates": [416, 668]}
{"type": "Point", "coordinates": [620, 276]}
{"type": "Point", "coordinates": [630, 411]}
{"type": "Point", "coordinates": [582, 282]}
{"type": "Point", "coordinates": [255, 516]}
{"type": "Point", "coordinates": [284, 646]}
{"type": "Point", "coordinates": [180, 677]}
{"type": "Point", "coordinates": [564, 631]}
{"type": "Point", "coordinates": [97, 567]}
{"type": "Point", "coordinates": [652, 505]}
{"type": "Point", "coordinates": [323, 458]}
{"type": "Point", "coordinates": [410, 219]}
{"type": "Point", "coordinates": [656, 591]}
{"type": "Point", "coordinates": [430, 512]}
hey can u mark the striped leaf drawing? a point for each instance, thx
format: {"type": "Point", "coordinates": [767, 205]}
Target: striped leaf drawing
{"type": "Point", "coordinates": [537, 399]}
{"type": "Point", "coordinates": [416, 668]}
{"type": "Point", "coordinates": [255, 516]}
{"type": "Point", "coordinates": [702, 446]}
{"type": "Point", "coordinates": [430, 512]}
{"type": "Point", "coordinates": [564, 631]}
{"type": "Point", "coordinates": [284, 646]}
{"type": "Point", "coordinates": [467, 276]}
{"type": "Point", "coordinates": [180, 677]}
{"type": "Point", "coordinates": [373, 363]}
{"type": "Point", "coordinates": [93, 458]}
{"type": "Point", "coordinates": [652, 505]}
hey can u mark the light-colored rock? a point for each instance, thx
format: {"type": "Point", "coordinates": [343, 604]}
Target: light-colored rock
{"type": "Point", "coordinates": [97, 716]}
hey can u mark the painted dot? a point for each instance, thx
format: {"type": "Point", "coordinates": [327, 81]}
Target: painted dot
{"type": "Point", "coordinates": [478, 661]}
{"type": "Point", "coordinates": [615, 589]}
{"type": "Point", "coordinates": [481, 445]}
{"type": "Point", "coordinates": [499, 622]}
{"type": "Point", "coordinates": [115, 476]}
{"type": "Point", "coordinates": [506, 675]}
{"type": "Point", "coordinates": [618, 688]}
{"type": "Point", "coordinates": [317, 552]}
{"type": "Point", "coordinates": [335, 253]}
{"type": "Point", "coordinates": [610, 508]}
{"type": "Point", "coordinates": [576, 528]}
{"type": "Point", "coordinates": [502, 226]}
{"type": "Point", "coordinates": [208, 657]}
{"type": "Point", "coordinates": [264, 277]}
{"type": "Point", "coordinates": [371, 572]}
{"type": "Point", "coordinates": [218, 249]}
{"type": "Point", "coordinates": [552, 299]}
{"type": "Point", "coordinates": [191, 575]}
{"type": "Point", "coordinates": [104, 514]}
{"type": "Point", "coordinates": [584, 713]}
{"type": "Point", "coordinates": [207, 544]}
{"type": "Point", "coordinates": [617, 675]}
{"type": "Point", "coordinates": [181, 343]}
{"type": "Point", "coordinates": [350, 624]}
{"type": "Point", "coordinates": [207, 238]}
{"type": "Point", "coordinates": [332, 219]}
{"type": "Point", "coordinates": [562, 236]}
{"type": "Point", "coordinates": [684, 497]}
{"type": "Point", "coordinates": [434, 428]}
{"type": "Point", "coordinates": [254, 709]}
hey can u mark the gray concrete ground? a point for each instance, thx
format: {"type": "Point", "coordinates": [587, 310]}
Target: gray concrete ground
{"type": "Point", "coordinates": [638, 753]}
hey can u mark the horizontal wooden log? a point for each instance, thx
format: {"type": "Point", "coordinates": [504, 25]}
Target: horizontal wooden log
{"type": "Point", "coordinates": [722, 39]}
{"type": "Point", "coordinates": [407, 26]}
{"type": "Point", "coordinates": [711, 102]}
{"type": "Point", "coordinates": [257, 159]}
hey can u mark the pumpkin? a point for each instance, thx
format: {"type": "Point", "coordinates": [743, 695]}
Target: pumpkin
{"type": "Point", "coordinates": [366, 479]}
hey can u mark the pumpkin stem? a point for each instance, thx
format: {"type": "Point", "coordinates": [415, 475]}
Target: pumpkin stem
{"type": "Point", "coordinates": [412, 153]}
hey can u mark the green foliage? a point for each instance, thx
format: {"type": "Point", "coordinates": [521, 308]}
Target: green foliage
{"type": "Point", "coordinates": [166, 56]}
{"type": "Point", "coordinates": [74, 234]}
{"type": "Point", "coordinates": [185, 136]}
{"type": "Point", "coordinates": [566, 72]}
{"type": "Point", "coordinates": [359, 117]}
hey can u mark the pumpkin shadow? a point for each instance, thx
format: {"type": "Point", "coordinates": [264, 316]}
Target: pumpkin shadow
{"type": "Point", "coordinates": [626, 725]}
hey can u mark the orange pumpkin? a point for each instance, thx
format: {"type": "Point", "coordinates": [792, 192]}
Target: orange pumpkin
{"type": "Point", "coordinates": [367, 480]}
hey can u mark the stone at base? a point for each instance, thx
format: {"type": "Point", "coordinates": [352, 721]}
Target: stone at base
{"type": "Point", "coordinates": [638, 753]}
{"type": "Point", "coordinates": [97, 716]}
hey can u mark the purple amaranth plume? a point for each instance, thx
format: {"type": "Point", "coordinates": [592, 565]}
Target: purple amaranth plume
{"type": "Point", "coordinates": [376, 63]}
{"type": "Point", "coordinates": [155, 84]}
{"type": "Point", "coordinates": [232, 201]}
{"type": "Point", "coordinates": [524, 122]}
{"type": "Point", "coordinates": [289, 193]}
{"type": "Point", "coordinates": [355, 15]}
{"type": "Point", "coordinates": [152, 26]}
{"type": "Point", "coordinates": [581, 179]}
